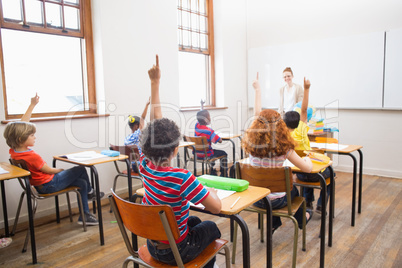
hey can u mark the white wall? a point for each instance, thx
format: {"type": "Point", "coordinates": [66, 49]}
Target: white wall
{"type": "Point", "coordinates": [282, 22]}
{"type": "Point", "coordinates": [127, 36]}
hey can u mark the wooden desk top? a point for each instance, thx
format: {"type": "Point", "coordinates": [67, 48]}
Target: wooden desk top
{"type": "Point", "coordinates": [14, 172]}
{"type": "Point", "coordinates": [349, 149]}
{"type": "Point", "coordinates": [227, 136]}
{"type": "Point", "coordinates": [317, 167]}
{"type": "Point", "coordinates": [186, 143]}
{"type": "Point", "coordinates": [247, 198]}
{"type": "Point", "coordinates": [91, 162]}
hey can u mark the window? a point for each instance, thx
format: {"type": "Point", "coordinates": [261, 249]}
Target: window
{"type": "Point", "coordinates": [196, 52]}
{"type": "Point", "coordinates": [46, 47]}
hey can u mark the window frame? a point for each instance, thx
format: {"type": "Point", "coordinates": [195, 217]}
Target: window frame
{"type": "Point", "coordinates": [86, 35]}
{"type": "Point", "coordinates": [210, 51]}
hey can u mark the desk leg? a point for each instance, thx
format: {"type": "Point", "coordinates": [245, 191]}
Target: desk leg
{"type": "Point", "coordinates": [269, 234]}
{"type": "Point", "coordinates": [98, 201]}
{"type": "Point", "coordinates": [195, 161]}
{"type": "Point", "coordinates": [130, 182]}
{"type": "Point", "coordinates": [246, 239]}
{"type": "Point", "coordinates": [354, 188]}
{"type": "Point", "coordinates": [241, 149]}
{"type": "Point", "coordinates": [234, 151]}
{"type": "Point", "coordinates": [5, 216]}
{"type": "Point", "coordinates": [31, 220]}
{"type": "Point", "coordinates": [323, 219]}
{"type": "Point", "coordinates": [331, 205]}
{"type": "Point", "coordinates": [359, 208]}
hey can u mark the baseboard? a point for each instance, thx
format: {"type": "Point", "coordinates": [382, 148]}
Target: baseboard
{"type": "Point", "coordinates": [371, 171]}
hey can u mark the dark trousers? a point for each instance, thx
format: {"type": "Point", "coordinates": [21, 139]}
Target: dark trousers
{"type": "Point", "coordinates": [308, 193]}
{"type": "Point", "coordinates": [200, 235]}
{"type": "Point", "coordinates": [223, 162]}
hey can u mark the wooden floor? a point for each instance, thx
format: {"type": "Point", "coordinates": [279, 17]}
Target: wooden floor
{"type": "Point", "coordinates": [375, 241]}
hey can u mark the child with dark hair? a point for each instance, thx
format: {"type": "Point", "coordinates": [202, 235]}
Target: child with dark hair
{"type": "Point", "coordinates": [297, 124]}
{"type": "Point", "coordinates": [20, 136]}
{"type": "Point", "coordinates": [201, 129]}
{"type": "Point", "coordinates": [176, 187]}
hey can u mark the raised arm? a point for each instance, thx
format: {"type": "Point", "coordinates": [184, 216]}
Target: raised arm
{"type": "Point", "coordinates": [257, 98]}
{"type": "Point", "coordinates": [304, 106]}
{"type": "Point", "coordinates": [27, 116]}
{"type": "Point", "coordinates": [144, 113]}
{"type": "Point", "coordinates": [155, 76]}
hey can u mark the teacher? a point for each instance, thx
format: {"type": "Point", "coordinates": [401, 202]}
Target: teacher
{"type": "Point", "coordinates": [289, 94]}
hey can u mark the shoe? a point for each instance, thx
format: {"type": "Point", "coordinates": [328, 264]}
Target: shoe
{"type": "Point", "coordinates": [310, 213]}
{"type": "Point", "coordinates": [5, 242]}
{"type": "Point", "coordinates": [319, 209]}
{"type": "Point", "coordinates": [92, 196]}
{"type": "Point", "coordinates": [309, 205]}
{"type": "Point", "coordinates": [90, 219]}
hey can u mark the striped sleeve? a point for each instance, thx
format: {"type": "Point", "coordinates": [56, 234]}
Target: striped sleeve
{"type": "Point", "coordinates": [192, 190]}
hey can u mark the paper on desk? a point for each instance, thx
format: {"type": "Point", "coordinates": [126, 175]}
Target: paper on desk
{"type": "Point", "coordinates": [3, 171]}
{"type": "Point", "coordinates": [223, 134]}
{"type": "Point", "coordinates": [221, 194]}
{"type": "Point", "coordinates": [329, 146]}
{"type": "Point", "coordinates": [85, 156]}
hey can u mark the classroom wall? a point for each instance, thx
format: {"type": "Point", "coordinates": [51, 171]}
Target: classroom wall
{"type": "Point", "coordinates": [282, 22]}
{"type": "Point", "coordinates": [127, 36]}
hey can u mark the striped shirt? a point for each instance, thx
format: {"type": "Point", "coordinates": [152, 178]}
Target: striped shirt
{"type": "Point", "coordinates": [201, 130]}
{"type": "Point", "coordinates": [272, 162]}
{"type": "Point", "coordinates": [174, 187]}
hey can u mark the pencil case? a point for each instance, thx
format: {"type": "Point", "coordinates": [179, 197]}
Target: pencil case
{"type": "Point", "coordinates": [223, 183]}
{"type": "Point", "coordinates": [110, 153]}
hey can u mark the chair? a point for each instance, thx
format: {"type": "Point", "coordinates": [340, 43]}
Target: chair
{"type": "Point", "coordinates": [37, 196]}
{"type": "Point", "coordinates": [134, 156]}
{"type": "Point", "coordinates": [201, 145]}
{"type": "Point", "coordinates": [277, 180]}
{"type": "Point", "coordinates": [156, 223]}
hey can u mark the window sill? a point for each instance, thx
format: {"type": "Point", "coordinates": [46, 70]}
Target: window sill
{"type": "Point", "coordinates": [192, 109]}
{"type": "Point", "coordinates": [54, 118]}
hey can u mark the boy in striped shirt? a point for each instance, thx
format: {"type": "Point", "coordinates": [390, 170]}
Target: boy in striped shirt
{"type": "Point", "coordinates": [176, 187]}
{"type": "Point", "coordinates": [201, 129]}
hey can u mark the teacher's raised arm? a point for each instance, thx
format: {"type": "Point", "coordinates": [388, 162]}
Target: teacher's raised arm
{"type": "Point", "coordinates": [290, 93]}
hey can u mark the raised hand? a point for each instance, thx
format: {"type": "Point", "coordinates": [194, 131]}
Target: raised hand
{"type": "Point", "coordinates": [307, 83]}
{"type": "Point", "coordinates": [35, 100]}
{"type": "Point", "coordinates": [155, 73]}
{"type": "Point", "coordinates": [256, 83]}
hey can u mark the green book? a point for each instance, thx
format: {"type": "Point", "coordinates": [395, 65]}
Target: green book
{"type": "Point", "coordinates": [223, 183]}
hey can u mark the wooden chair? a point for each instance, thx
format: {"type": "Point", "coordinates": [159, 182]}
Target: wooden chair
{"type": "Point", "coordinates": [134, 156]}
{"type": "Point", "coordinates": [201, 145]}
{"type": "Point", "coordinates": [156, 223]}
{"type": "Point", "coordinates": [37, 196]}
{"type": "Point", "coordinates": [277, 180]}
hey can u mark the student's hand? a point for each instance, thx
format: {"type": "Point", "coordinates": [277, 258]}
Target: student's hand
{"type": "Point", "coordinates": [35, 100]}
{"type": "Point", "coordinates": [256, 84]}
{"type": "Point", "coordinates": [155, 73]}
{"type": "Point", "coordinates": [148, 102]}
{"type": "Point", "coordinates": [307, 84]}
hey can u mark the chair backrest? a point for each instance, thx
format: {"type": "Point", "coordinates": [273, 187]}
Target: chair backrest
{"type": "Point", "coordinates": [130, 150]}
{"type": "Point", "coordinates": [276, 179]}
{"type": "Point", "coordinates": [22, 164]}
{"type": "Point", "coordinates": [142, 220]}
{"type": "Point", "coordinates": [201, 143]}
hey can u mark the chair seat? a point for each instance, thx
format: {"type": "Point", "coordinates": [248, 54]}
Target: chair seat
{"type": "Point", "coordinates": [298, 182]}
{"type": "Point", "coordinates": [68, 189]}
{"type": "Point", "coordinates": [296, 203]}
{"type": "Point", "coordinates": [198, 262]}
{"type": "Point", "coordinates": [132, 173]}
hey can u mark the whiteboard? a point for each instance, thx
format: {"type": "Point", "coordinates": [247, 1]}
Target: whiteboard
{"type": "Point", "coordinates": [345, 70]}
{"type": "Point", "coordinates": [393, 70]}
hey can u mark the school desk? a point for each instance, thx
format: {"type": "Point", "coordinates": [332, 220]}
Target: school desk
{"type": "Point", "coordinates": [13, 173]}
{"type": "Point", "coordinates": [95, 180]}
{"type": "Point", "coordinates": [317, 167]}
{"type": "Point", "coordinates": [229, 137]}
{"type": "Point", "coordinates": [183, 144]}
{"type": "Point", "coordinates": [247, 198]}
{"type": "Point", "coordinates": [348, 151]}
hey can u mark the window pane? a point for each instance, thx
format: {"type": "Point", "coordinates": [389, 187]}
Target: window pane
{"type": "Point", "coordinates": [71, 18]}
{"type": "Point", "coordinates": [194, 40]}
{"type": "Point", "coordinates": [12, 9]}
{"type": "Point", "coordinates": [53, 15]}
{"type": "Point", "coordinates": [203, 24]}
{"type": "Point", "coordinates": [186, 38]}
{"type": "Point", "coordinates": [72, 1]}
{"type": "Point", "coordinates": [194, 5]}
{"type": "Point", "coordinates": [185, 20]}
{"type": "Point", "coordinates": [185, 4]}
{"type": "Point", "coordinates": [192, 78]}
{"type": "Point", "coordinates": [203, 6]}
{"type": "Point", "coordinates": [33, 10]}
{"type": "Point", "coordinates": [47, 64]}
{"type": "Point", "coordinates": [195, 22]}
{"type": "Point", "coordinates": [204, 41]}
